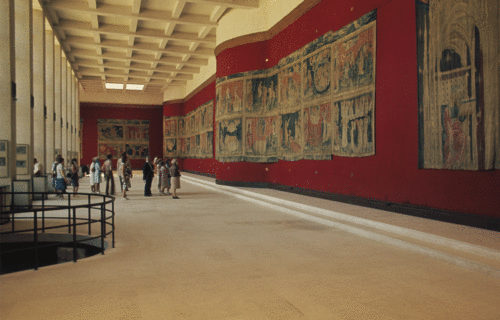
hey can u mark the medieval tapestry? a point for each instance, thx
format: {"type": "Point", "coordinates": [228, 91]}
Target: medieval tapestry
{"type": "Point", "coordinates": [291, 144]}
{"type": "Point", "coordinates": [170, 126]}
{"type": "Point", "coordinates": [353, 126]}
{"type": "Point", "coordinates": [261, 139]}
{"type": "Point", "coordinates": [114, 136]}
{"type": "Point", "coordinates": [354, 93]}
{"type": "Point", "coordinates": [261, 94]}
{"type": "Point", "coordinates": [229, 98]}
{"type": "Point", "coordinates": [290, 82]}
{"type": "Point", "coordinates": [458, 81]}
{"type": "Point", "coordinates": [317, 75]}
{"type": "Point", "coordinates": [315, 102]}
{"type": "Point", "coordinates": [229, 139]}
{"type": "Point", "coordinates": [318, 132]}
{"type": "Point", "coordinates": [186, 136]}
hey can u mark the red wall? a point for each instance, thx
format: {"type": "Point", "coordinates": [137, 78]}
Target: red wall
{"type": "Point", "coordinates": [90, 112]}
{"type": "Point", "coordinates": [206, 166]}
{"type": "Point", "coordinates": [392, 174]}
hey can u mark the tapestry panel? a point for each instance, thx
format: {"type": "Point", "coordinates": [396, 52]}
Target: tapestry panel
{"type": "Point", "coordinates": [185, 136]}
{"type": "Point", "coordinates": [229, 140]}
{"type": "Point", "coordinates": [318, 132]}
{"type": "Point", "coordinates": [322, 97]}
{"type": "Point", "coordinates": [353, 126]}
{"type": "Point", "coordinates": [114, 136]}
{"type": "Point", "coordinates": [291, 144]}
{"type": "Point", "coordinates": [458, 81]}
{"type": "Point", "coordinates": [261, 139]}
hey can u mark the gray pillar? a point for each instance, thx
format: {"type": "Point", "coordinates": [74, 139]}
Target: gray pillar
{"type": "Point", "coordinates": [39, 111]}
{"type": "Point", "coordinates": [64, 96]}
{"type": "Point", "coordinates": [24, 88]}
{"type": "Point", "coordinates": [57, 100]}
{"type": "Point", "coordinates": [8, 106]}
{"type": "Point", "coordinates": [49, 100]}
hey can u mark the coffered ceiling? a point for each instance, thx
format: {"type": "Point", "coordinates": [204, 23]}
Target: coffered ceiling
{"type": "Point", "coordinates": [158, 43]}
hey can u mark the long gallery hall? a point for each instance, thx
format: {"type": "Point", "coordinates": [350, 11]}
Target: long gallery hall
{"type": "Point", "coordinates": [336, 159]}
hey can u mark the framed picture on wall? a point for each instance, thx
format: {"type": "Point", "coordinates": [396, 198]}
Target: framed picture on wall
{"type": "Point", "coordinates": [22, 157]}
{"type": "Point", "coordinates": [4, 158]}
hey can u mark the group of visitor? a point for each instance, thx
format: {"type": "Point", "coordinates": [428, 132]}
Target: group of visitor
{"type": "Point", "coordinates": [168, 174]}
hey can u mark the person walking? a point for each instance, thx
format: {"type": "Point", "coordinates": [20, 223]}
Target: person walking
{"type": "Point", "coordinates": [125, 173]}
{"type": "Point", "coordinates": [60, 179]}
{"type": "Point", "coordinates": [107, 167]}
{"type": "Point", "coordinates": [148, 173]}
{"type": "Point", "coordinates": [176, 177]}
{"type": "Point", "coordinates": [75, 178]}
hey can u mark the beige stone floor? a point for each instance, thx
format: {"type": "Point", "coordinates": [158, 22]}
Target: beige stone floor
{"type": "Point", "coordinates": [240, 253]}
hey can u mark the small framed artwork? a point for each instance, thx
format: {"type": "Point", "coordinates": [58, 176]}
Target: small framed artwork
{"type": "Point", "coordinates": [4, 156]}
{"type": "Point", "coordinates": [22, 159]}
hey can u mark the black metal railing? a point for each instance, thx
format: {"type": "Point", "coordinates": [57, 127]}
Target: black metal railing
{"type": "Point", "coordinates": [51, 213]}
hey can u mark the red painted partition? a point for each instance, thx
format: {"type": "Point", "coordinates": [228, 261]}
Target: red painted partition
{"type": "Point", "coordinates": [90, 112]}
{"type": "Point", "coordinates": [392, 174]}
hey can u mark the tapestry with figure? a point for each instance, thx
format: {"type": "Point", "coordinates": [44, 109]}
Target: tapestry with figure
{"type": "Point", "coordinates": [316, 102]}
{"type": "Point", "coordinates": [458, 81]}
{"type": "Point", "coordinates": [185, 136]}
{"type": "Point", "coordinates": [115, 136]}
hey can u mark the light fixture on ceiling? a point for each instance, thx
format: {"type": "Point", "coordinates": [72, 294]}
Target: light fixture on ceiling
{"type": "Point", "coordinates": [134, 86]}
{"type": "Point", "coordinates": [114, 85]}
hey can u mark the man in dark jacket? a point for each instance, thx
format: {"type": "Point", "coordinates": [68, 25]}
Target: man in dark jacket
{"type": "Point", "coordinates": [148, 173]}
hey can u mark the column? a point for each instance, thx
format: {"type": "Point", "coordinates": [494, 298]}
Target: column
{"type": "Point", "coordinates": [8, 106]}
{"type": "Point", "coordinates": [39, 111]}
{"type": "Point", "coordinates": [64, 95]}
{"type": "Point", "coordinates": [57, 100]}
{"type": "Point", "coordinates": [78, 122]}
{"type": "Point", "coordinates": [74, 116]}
{"type": "Point", "coordinates": [49, 99]}
{"type": "Point", "coordinates": [69, 114]}
{"type": "Point", "coordinates": [24, 88]}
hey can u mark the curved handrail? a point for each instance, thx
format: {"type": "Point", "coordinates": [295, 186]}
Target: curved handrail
{"type": "Point", "coordinates": [73, 220]}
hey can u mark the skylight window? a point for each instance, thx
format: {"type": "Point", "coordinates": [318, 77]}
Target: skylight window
{"type": "Point", "coordinates": [134, 87]}
{"type": "Point", "coordinates": [114, 85]}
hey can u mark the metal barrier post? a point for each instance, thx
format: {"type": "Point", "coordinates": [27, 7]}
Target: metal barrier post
{"type": "Point", "coordinates": [113, 221]}
{"type": "Point", "coordinates": [75, 253]}
{"type": "Point", "coordinates": [43, 213]}
{"type": "Point", "coordinates": [90, 220]}
{"type": "Point", "coordinates": [102, 229]}
{"type": "Point", "coordinates": [69, 213]}
{"type": "Point", "coordinates": [35, 236]}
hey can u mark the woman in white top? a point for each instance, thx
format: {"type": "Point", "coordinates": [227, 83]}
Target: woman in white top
{"type": "Point", "coordinates": [60, 178]}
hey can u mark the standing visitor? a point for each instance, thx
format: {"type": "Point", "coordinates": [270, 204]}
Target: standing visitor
{"type": "Point", "coordinates": [107, 167]}
{"type": "Point", "coordinates": [125, 173]}
{"type": "Point", "coordinates": [164, 178]}
{"type": "Point", "coordinates": [158, 163]}
{"type": "Point", "coordinates": [74, 176]}
{"type": "Point", "coordinates": [54, 170]}
{"type": "Point", "coordinates": [148, 173]}
{"type": "Point", "coordinates": [38, 168]}
{"type": "Point", "coordinates": [95, 175]}
{"type": "Point", "coordinates": [60, 178]}
{"type": "Point", "coordinates": [176, 177]}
